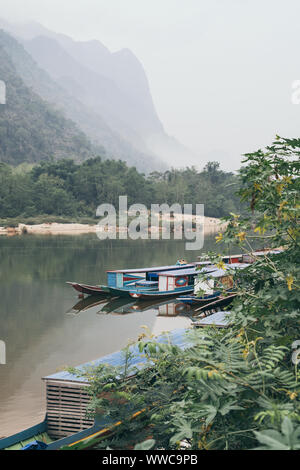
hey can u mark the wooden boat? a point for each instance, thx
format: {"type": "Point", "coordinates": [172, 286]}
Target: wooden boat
{"type": "Point", "coordinates": [252, 257]}
{"type": "Point", "coordinates": [123, 277]}
{"type": "Point", "coordinates": [212, 287]}
{"type": "Point", "coordinates": [89, 290]}
{"type": "Point", "coordinates": [66, 425]}
{"type": "Point", "coordinates": [192, 299]}
{"type": "Point", "coordinates": [246, 257]}
{"type": "Point", "coordinates": [37, 438]}
{"type": "Point", "coordinates": [169, 284]}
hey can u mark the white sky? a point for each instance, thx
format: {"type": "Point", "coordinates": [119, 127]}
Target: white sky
{"type": "Point", "coordinates": [220, 71]}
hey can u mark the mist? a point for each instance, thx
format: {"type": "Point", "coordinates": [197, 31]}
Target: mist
{"type": "Point", "coordinates": [218, 75]}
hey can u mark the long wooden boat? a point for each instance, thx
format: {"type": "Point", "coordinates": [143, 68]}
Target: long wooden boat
{"type": "Point", "coordinates": [123, 278]}
{"type": "Point", "coordinates": [212, 287]}
{"type": "Point", "coordinates": [192, 299]}
{"type": "Point", "coordinates": [37, 438]}
{"type": "Point", "coordinates": [66, 425]}
{"type": "Point", "coordinates": [88, 289]}
{"type": "Point", "coordinates": [169, 284]}
{"type": "Point", "coordinates": [247, 257]}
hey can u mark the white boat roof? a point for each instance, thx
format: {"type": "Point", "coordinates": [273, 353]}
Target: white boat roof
{"type": "Point", "coordinates": [154, 268]}
{"type": "Point", "coordinates": [219, 319]}
{"type": "Point", "coordinates": [188, 272]}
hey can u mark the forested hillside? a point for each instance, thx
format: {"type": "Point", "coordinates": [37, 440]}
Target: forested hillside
{"type": "Point", "coordinates": [30, 129]}
{"type": "Point", "coordinates": [64, 188]}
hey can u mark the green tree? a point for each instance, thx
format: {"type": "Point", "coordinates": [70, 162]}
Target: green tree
{"type": "Point", "coordinates": [236, 388]}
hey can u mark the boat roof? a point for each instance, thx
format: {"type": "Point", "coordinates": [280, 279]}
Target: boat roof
{"type": "Point", "coordinates": [265, 252]}
{"type": "Point", "coordinates": [217, 272]}
{"type": "Point", "coordinates": [255, 253]}
{"type": "Point", "coordinates": [219, 319]}
{"type": "Point", "coordinates": [182, 272]}
{"type": "Point", "coordinates": [213, 271]}
{"type": "Point", "coordinates": [154, 268]}
{"type": "Point", "coordinates": [177, 337]}
{"type": "Point", "coordinates": [189, 271]}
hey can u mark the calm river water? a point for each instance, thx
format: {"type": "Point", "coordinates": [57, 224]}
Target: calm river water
{"type": "Point", "coordinates": [42, 327]}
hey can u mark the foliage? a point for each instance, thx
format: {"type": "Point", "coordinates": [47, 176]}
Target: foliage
{"type": "Point", "coordinates": [32, 130]}
{"type": "Point", "coordinates": [287, 439]}
{"type": "Point", "coordinates": [236, 388]}
{"type": "Point", "coordinates": [65, 188]}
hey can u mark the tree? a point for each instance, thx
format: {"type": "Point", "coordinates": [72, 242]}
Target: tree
{"type": "Point", "coordinates": [235, 388]}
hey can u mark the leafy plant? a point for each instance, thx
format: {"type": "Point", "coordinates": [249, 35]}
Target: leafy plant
{"type": "Point", "coordinates": [234, 388]}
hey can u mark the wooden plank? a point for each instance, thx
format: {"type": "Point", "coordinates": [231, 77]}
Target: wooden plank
{"type": "Point", "coordinates": [66, 408]}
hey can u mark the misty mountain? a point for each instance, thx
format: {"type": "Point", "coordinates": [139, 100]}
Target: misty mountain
{"type": "Point", "coordinates": [113, 85]}
{"type": "Point", "coordinates": [89, 121]}
{"type": "Point", "coordinates": [30, 129]}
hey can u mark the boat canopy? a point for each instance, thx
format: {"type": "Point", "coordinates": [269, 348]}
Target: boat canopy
{"type": "Point", "coordinates": [182, 272]}
{"type": "Point", "coordinates": [218, 319]}
{"type": "Point", "coordinates": [226, 272]}
{"type": "Point", "coordinates": [154, 269]}
{"type": "Point", "coordinates": [177, 337]}
{"type": "Point", "coordinates": [188, 271]}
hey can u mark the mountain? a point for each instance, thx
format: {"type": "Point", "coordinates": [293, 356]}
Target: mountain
{"type": "Point", "coordinates": [113, 85]}
{"type": "Point", "coordinates": [30, 129]}
{"type": "Point", "coordinates": [89, 121]}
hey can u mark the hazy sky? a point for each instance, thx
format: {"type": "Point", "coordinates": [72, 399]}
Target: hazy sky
{"type": "Point", "coordinates": [220, 71]}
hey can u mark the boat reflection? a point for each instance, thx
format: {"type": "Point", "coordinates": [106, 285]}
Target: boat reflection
{"type": "Point", "coordinates": [87, 303]}
{"type": "Point", "coordinates": [164, 308]}
{"type": "Point", "coordinates": [125, 306]}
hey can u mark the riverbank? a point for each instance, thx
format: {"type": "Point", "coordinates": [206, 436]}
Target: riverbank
{"type": "Point", "coordinates": [211, 225]}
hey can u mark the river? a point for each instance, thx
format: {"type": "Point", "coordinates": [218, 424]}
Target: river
{"type": "Point", "coordinates": [41, 329]}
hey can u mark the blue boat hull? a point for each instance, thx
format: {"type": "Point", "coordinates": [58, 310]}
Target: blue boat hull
{"type": "Point", "coordinates": [147, 295]}
{"type": "Point", "coordinates": [99, 430]}
{"type": "Point", "coordinates": [193, 299]}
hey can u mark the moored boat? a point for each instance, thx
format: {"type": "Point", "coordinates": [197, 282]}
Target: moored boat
{"type": "Point", "coordinates": [87, 289]}
{"type": "Point", "coordinates": [37, 438]}
{"type": "Point", "coordinates": [118, 281]}
{"type": "Point", "coordinates": [212, 288]}
{"type": "Point", "coordinates": [66, 425]}
{"type": "Point", "coordinates": [169, 284]}
{"type": "Point", "coordinates": [247, 257]}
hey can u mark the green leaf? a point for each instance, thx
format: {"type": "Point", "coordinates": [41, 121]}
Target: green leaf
{"type": "Point", "coordinates": [146, 445]}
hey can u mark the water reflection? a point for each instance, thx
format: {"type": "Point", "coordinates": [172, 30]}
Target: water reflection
{"type": "Point", "coordinates": [123, 306]}
{"type": "Point", "coordinates": [45, 329]}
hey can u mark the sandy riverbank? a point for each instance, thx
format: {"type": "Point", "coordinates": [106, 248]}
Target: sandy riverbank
{"type": "Point", "coordinates": [211, 225]}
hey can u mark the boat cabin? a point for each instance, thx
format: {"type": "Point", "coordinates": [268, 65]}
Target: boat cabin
{"type": "Point", "coordinates": [123, 278]}
{"type": "Point", "coordinates": [172, 280]}
{"type": "Point", "coordinates": [218, 279]}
